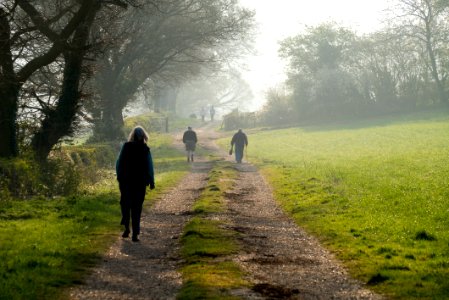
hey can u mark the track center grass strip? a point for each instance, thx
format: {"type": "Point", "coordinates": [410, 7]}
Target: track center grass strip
{"type": "Point", "coordinates": [208, 272]}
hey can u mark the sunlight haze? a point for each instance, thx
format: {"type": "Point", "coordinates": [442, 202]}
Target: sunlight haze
{"type": "Point", "coordinates": [283, 18]}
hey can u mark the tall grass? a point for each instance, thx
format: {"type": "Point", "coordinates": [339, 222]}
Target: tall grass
{"type": "Point", "coordinates": [377, 196]}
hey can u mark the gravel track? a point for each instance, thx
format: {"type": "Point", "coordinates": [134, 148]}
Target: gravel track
{"type": "Point", "coordinates": [280, 259]}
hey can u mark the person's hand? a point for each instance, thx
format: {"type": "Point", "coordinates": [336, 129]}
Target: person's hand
{"type": "Point", "coordinates": [152, 186]}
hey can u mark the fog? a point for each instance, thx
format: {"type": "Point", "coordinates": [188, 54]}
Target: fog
{"type": "Point", "coordinates": [277, 20]}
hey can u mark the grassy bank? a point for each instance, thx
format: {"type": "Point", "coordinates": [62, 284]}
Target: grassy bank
{"type": "Point", "coordinates": [206, 244]}
{"type": "Point", "coordinates": [377, 196]}
{"type": "Point", "coordinates": [49, 244]}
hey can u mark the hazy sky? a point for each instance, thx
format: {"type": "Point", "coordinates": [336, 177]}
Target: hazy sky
{"type": "Point", "coordinates": [282, 18]}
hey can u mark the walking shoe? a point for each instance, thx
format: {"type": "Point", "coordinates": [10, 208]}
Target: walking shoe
{"type": "Point", "coordinates": [126, 233]}
{"type": "Point", "coordinates": [135, 238]}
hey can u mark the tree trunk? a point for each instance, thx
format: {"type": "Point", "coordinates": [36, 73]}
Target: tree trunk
{"type": "Point", "coordinates": [112, 122]}
{"type": "Point", "coordinates": [59, 122]}
{"type": "Point", "coordinates": [434, 71]}
{"type": "Point", "coordinates": [433, 61]}
{"type": "Point", "coordinates": [108, 126]}
{"type": "Point", "coordinates": [9, 92]}
{"type": "Point", "coordinates": [8, 116]}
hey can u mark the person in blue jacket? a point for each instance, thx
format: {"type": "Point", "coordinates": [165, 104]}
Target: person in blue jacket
{"type": "Point", "coordinates": [135, 172]}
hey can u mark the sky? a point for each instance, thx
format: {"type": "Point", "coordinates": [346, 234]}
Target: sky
{"type": "Point", "coordinates": [283, 18]}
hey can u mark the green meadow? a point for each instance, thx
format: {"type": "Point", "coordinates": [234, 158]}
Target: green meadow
{"type": "Point", "coordinates": [47, 244]}
{"type": "Point", "coordinates": [377, 195]}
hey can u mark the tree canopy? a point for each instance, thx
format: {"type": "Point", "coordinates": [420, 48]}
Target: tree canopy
{"type": "Point", "coordinates": [66, 59]}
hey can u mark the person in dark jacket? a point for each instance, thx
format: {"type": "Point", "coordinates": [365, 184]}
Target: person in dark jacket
{"type": "Point", "coordinates": [135, 172]}
{"type": "Point", "coordinates": [189, 139]}
{"type": "Point", "coordinates": [240, 140]}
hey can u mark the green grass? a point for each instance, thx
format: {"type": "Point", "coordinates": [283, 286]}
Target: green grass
{"type": "Point", "coordinates": [47, 245]}
{"type": "Point", "coordinates": [377, 196]}
{"type": "Point", "coordinates": [207, 244]}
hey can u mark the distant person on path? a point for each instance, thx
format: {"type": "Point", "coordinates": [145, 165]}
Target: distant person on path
{"type": "Point", "coordinates": [212, 113]}
{"type": "Point", "coordinates": [135, 172]}
{"type": "Point", "coordinates": [189, 139]}
{"type": "Point", "coordinates": [203, 114]}
{"type": "Point", "coordinates": [240, 140]}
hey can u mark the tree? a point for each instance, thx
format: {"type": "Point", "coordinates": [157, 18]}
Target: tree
{"type": "Point", "coordinates": [164, 43]}
{"type": "Point", "coordinates": [58, 121]}
{"type": "Point", "coordinates": [319, 67]}
{"type": "Point", "coordinates": [224, 89]}
{"type": "Point", "coordinates": [426, 22]}
{"type": "Point", "coordinates": [278, 108]}
{"type": "Point", "coordinates": [20, 25]}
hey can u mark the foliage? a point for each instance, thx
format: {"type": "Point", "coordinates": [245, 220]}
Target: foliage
{"type": "Point", "coordinates": [374, 192]}
{"type": "Point", "coordinates": [224, 89]}
{"type": "Point", "coordinates": [43, 46]}
{"type": "Point", "coordinates": [161, 47]}
{"type": "Point", "coordinates": [278, 109]}
{"type": "Point", "coordinates": [237, 119]}
{"type": "Point", "coordinates": [333, 73]}
{"type": "Point", "coordinates": [62, 174]}
{"type": "Point", "coordinates": [154, 122]}
{"type": "Point", "coordinates": [19, 178]}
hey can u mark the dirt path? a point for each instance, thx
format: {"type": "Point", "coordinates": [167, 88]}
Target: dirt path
{"type": "Point", "coordinates": [280, 259]}
{"type": "Point", "coordinates": [148, 269]}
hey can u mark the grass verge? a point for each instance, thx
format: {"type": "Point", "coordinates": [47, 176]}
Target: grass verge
{"type": "Point", "coordinates": [207, 243]}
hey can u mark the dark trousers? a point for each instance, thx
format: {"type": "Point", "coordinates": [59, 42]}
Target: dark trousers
{"type": "Point", "coordinates": [239, 153]}
{"type": "Point", "coordinates": [131, 201]}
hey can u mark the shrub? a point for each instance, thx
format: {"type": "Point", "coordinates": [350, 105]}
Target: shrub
{"type": "Point", "coordinates": [61, 174]}
{"type": "Point", "coordinates": [60, 177]}
{"type": "Point", "coordinates": [91, 158]}
{"type": "Point", "coordinates": [19, 178]}
{"type": "Point", "coordinates": [236, 119]}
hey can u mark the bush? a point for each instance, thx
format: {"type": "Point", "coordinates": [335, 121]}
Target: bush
{"type": "Point", "coordinates": [60, 177]}
{"type": "Point", "coordinates": [91, 158]}
{"type": "Point", "coordinates": [152, 122]}
{"type": "Point", "coordinates": [236, 120]}
{"type": "Point", "coordinates": [96, 155]}
{"type": "Point", "coordinates": [278, 110]}
{"type": "Point", "coordinates": [19, 178]}
{"type": "Point", "coordinates": [61, 174]}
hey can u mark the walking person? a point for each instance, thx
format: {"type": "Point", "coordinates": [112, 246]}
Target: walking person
{"type": "Point", "coordinates": [203, 114]}
{"type": "Point", "coordinates": [135, 172]}
{"type": "Point", "coordinates": [189, 139]}
{"type": "Point", "coordinates": [240, 140]}
{"type": "Point", "coordinates": [212, 113]}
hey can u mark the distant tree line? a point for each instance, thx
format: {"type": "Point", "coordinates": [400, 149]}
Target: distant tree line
{"type": "Point", "coordinates": [334, 73]}
{"type": "Point", "coordinates": [63, 62]}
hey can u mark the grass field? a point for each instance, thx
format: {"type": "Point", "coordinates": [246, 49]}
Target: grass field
{"type": "Point", "coordinates": [48, 244]}
{"type": "Point", "coordinates": [377, 195]}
